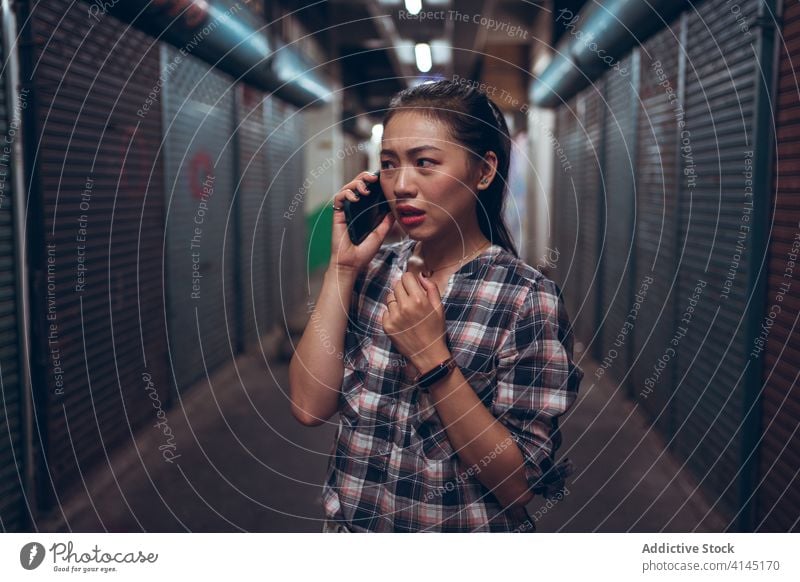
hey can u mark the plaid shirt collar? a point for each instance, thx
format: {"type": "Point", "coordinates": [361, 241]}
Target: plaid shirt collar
{"type": "Point", "coordinates": [486, 255]}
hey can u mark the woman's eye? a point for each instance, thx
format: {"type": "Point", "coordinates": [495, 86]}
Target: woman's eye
{"type": "Point", "coordinates": [386, 164]}
{"type": "Point", "coordinates": [426, 163]}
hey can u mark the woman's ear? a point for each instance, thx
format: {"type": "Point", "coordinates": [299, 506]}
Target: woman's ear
{"type": "Point", "coordinates": [488, 170]}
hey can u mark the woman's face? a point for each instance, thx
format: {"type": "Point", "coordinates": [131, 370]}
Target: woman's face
{"type": "Point", "coordinates": [425, 170]}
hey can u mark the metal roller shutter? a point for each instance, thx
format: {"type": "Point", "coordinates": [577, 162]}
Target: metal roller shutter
{"type": "Point", "coordinates": [779, 490]}
{"type": "Point", "coordinates": [294, 270]}
{"type": "Point", "coordinates": [11, 461]}
{"type": "Point", "coordinates": [656, 202]}
{"type": "Point", "coordinates": [287, 236]}
{"type": "Point", "coordinates": [253, 245]}
{"type": "Point", "coordinates": [273, 217]}
{"type": "Point", "coordinates": [566, 210]}
{"type": "Point", "coordinates": [720, 84]}
{"type": "Point", "coordinates": [199, 168]}
{"type": "Point", "coordinates": [616, 261]}
{"type": "Point", "coordinates": [102, 201]}
{"type": "Point", "coordinates": [591, 230]}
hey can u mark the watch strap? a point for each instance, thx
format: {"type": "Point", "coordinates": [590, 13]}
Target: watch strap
{"type": "Point", "coordinates": [436, 373]}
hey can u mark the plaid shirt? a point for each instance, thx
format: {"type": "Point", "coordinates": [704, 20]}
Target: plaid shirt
{"type": "Point", "coordinates": [392, 467]}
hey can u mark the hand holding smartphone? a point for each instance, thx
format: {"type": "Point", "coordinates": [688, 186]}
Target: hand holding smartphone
{"type": "Point", "coordinates": [365, 215]}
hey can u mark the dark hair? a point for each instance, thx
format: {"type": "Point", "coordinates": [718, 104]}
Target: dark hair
{"type": "Point", "coordinates": [477, 124]}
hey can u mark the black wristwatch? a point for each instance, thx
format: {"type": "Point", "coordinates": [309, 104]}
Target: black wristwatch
{"type": "Point", "coordinates": [438, 372]}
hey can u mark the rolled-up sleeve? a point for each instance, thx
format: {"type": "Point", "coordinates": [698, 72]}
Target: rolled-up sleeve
{"type": "Point", "coordinates": [537, 382]}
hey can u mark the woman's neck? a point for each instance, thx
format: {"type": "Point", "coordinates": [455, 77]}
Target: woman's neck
{"type": "Point", "coordinates": [449, 253]}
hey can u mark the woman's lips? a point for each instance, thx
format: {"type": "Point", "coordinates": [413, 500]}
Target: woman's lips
{"type": "Point", "coordinates": [409, 214]}
{"type": "Point", "coordinates": [411, 219]}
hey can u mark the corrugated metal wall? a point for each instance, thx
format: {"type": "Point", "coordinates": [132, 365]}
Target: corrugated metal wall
{"type": "Point", "coordinates": [99, 114]}
{"type": "Point", "coordinates": [591, 228]}
{"type": "Point", "coordinates": [779, 486]}
{"type": "Point", "coordinates": [253, 249]}
{"type": "Point", "coordinates": [617, 193]}
{"type": "Point", "coordinates": [285, 218]}
{"type": "Point", "coordinates": [103, 222]}
{"type": "Point", "coordinates": [720, 84]}
{"type": "Point", "coordinates": [200, 239]}
{"type": "Point", "coordinates": [294, 271]}
{"type": "Point", "coordinates": [11, 461]}
{"type": "Point", "coordinates": [656, 205]}
{"type": "Point", "coordinates": [694, 206]}
{"type": "Point", "coordinates": [566, 207]}
{"type": "Point", "coordinates": [275, 205]}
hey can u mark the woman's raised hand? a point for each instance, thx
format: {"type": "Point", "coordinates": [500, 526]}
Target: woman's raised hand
{"type": "Point", "coordinates": [344, 254]}
{"type": "Point", "coordinates": [415, 321]}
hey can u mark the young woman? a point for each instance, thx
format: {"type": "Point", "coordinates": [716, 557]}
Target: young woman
{"type": "Point", "coordinates": [448, 359]}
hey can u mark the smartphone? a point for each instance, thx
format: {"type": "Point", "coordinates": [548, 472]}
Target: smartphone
{"type": "Point", "coordinates": [364, 216]}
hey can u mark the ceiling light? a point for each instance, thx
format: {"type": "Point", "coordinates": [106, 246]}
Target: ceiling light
{"type": "Point", "coordinates": [413, 6]}
{"type": "Point", "coordinates": [422, 51]}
